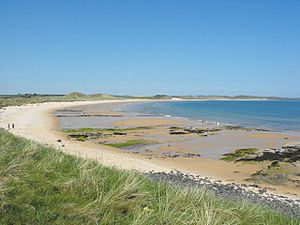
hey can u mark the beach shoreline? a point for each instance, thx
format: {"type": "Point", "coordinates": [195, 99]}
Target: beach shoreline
{"type": "Point", "coordinates": [37, 122]}
{"type": "Point", "coordinates": [273, 116]}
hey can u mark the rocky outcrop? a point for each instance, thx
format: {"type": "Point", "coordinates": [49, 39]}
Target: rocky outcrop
{"type": "Point", "coordinates": [193, 131]}
{"type": "Point", "coordinates": [180, 155]}
{"type": "Point", "coordinates": [289, 153]}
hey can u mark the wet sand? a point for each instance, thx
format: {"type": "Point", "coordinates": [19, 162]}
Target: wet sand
{"type": "Point", "coordinates": [211, 146]}
{"type": "Point", "coordinates": [147, 122]}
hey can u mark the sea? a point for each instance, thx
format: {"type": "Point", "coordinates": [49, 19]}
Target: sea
{"type": "Point", "coordinates": [275, 115]}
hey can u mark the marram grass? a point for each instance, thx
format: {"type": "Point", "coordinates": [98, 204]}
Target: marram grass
{"type": "Point", "coordinates": [74, 96]}
{"type": "Point", "coordinates": [40, 185]}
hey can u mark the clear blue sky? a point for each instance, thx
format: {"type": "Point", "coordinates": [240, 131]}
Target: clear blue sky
{"type": "Point", "coordinates": [150, 47]}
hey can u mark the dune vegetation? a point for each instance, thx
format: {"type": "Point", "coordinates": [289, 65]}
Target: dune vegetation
{"type": "Point", "coordinates": [41, 185]}
{"type": "Point", "coordinates": [11, 100]}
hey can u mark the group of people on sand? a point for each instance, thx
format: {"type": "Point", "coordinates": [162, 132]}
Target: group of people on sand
{"type": "Point", "coordinates": [12, 126]}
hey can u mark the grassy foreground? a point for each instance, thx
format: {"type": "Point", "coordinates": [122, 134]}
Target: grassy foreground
{"type": "Point", "coordinates": [40, 185]}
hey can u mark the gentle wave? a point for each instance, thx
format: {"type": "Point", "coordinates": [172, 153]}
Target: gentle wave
{"type": "Point", "coordinates": [283, 115]}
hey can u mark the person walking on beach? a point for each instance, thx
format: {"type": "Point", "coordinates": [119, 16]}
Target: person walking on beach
{"type": "Point", "coordinates": [13, 126]}
{"type": "Point", "coordinates": [8, 126]}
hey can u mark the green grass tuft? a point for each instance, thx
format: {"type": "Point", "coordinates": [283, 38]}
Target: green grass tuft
{"type": "Point", "coordinates": [41, 185]}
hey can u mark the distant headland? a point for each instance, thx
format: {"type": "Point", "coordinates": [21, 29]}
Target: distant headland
{"type": "Point", "coordinates": [27, 98]}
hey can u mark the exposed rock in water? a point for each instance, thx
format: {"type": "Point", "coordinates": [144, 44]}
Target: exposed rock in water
{"type": "Point", "coordinates": [180, 155]}
{"type": "Point", "coordinates": [201, 131]}
{"type": "Point", "coordinates": [274, 163]}
{"type": "Point", "coordinates": [194, 131]}
{"type": "Point", "coordinates": [233, 127]}
{"type": "Point", "coordinates": [289, 153]}
{"type": "Point", "coordinates": [119, 133]}
{"type": "Point", "coordinates": [85, 134]}
{"type": "Point", "coordinates": [177, 132]}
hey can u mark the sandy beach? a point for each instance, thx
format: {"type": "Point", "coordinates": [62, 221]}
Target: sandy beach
{"type": "Point", "coordinates": [38, 123]}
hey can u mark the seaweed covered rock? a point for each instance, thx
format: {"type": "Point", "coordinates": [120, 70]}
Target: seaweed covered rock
{"type": "Point", "coordinates": [288, 153]}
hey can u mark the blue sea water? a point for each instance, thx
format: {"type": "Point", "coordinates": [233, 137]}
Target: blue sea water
{"type": "Point", "coordinates": [279, 115]}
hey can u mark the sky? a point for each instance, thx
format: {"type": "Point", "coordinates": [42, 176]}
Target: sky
{"type": "Point", "coordinates": [150, 47]}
